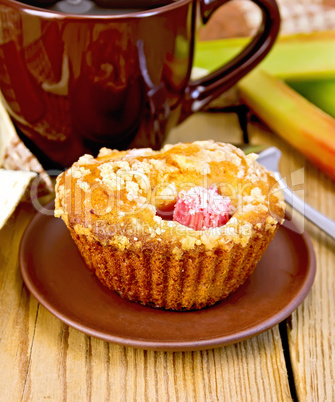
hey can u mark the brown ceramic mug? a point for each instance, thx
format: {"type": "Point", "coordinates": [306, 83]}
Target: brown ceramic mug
{"type": "Point", "coordinates": [73, 83]}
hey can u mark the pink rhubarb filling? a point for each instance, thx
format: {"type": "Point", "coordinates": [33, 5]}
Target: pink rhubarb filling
{"type": "Point", "coordinates": [200, 208]}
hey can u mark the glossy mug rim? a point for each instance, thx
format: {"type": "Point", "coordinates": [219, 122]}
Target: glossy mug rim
{"type": "Point", "coordinates": [46, 13]}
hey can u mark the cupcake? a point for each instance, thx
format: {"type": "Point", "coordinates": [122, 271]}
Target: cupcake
{"type": "Point", "coordinates": [178, 229]}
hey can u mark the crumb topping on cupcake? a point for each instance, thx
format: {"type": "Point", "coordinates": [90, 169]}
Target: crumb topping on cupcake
{"type": "Point", "coordinates": [140, 188]}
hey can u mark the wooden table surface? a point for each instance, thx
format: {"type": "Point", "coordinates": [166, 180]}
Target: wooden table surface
{"type": "Point", "coordinates": [43, 359]}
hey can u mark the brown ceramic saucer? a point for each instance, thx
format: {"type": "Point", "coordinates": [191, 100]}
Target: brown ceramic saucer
{"type": "Point", "coordinates": [57, 276]}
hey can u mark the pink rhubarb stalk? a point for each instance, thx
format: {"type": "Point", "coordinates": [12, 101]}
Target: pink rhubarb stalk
{"type": "Point", "coordinates": [199, 208]}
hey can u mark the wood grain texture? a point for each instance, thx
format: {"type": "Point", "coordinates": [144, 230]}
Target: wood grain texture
{"type": "Point", "coordinates": [311, 329]}
{"type": "Point", "coordinates": [42, 358]}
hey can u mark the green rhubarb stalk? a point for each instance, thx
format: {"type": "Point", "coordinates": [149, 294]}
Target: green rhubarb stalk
{"type": "Point", "coordinates": [294, 57]}
{"type": "Point", "coordinates": [319, 92]}
{"type": "Point", "coordinates": [303, 125]}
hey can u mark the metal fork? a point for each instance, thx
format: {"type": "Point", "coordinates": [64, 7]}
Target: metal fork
{"type": "Point", "coordinates": [270, 160]}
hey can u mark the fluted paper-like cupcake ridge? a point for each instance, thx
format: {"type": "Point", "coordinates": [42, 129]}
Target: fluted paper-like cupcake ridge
{"type": "Point", "coordinates": [154, 277]}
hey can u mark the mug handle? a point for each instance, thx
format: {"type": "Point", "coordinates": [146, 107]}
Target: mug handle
{"type": "Point", "coordinates": [200, 92]}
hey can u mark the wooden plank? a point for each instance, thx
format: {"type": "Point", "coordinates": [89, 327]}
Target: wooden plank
{"type": "Point", "coordinates": [17, 311]}
{"type": "Point", "coordinates": [248, 371]}
{"type": "Point", "coordinates": [311, 331]}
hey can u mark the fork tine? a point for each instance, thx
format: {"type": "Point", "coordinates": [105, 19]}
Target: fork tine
{"type": "Point", "coordinates": [270, 158]}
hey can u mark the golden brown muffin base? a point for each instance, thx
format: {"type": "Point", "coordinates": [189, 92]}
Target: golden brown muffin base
{"type": "Point", "coordinates": [154, 277]}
